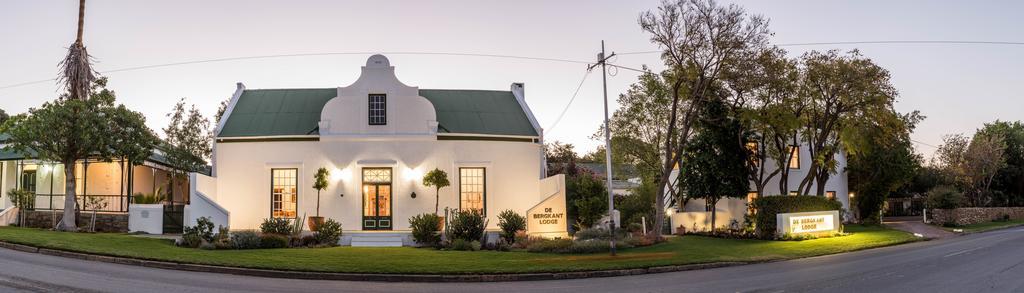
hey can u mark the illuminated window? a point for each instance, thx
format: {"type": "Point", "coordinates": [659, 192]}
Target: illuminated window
{"type": "Point", "coordinates": [752, 147]}
{"type": "Point", "coordinates": [794, 193]}
{"type": "Point", "coordinates": [284, 195]}
{"type": "Point", "coordinates": [830, 194]}
{"type": "Point", "coordinates": [378, 110]}
{"type": "Point", "coordinates": [751, 196]}
{"type": "Point", "coordinates": [472, 188]}
{"type": "Point", "coordinates": [794, 159]}
{"type": "Point", "coordinates": [376, 175]}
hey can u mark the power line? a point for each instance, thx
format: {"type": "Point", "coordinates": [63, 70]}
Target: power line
{"type": "Point", "coordinates": [567, 105]}
{"type": "Point", "coordinates": [312, 54]}
{"type": "Point", "coordinates": [925, 144]}
{"type": "Point", "coordinates": [889, 42]}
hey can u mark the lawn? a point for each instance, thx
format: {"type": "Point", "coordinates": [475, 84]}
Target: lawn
{"type": "Point", "coordinates": [987, 226]}
{"type": "Point", "coordinates": [676, 251]}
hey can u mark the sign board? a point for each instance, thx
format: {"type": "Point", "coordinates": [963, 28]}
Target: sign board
{"type": "Point", "coordinates": [808, 223]}
{"type": "Point", "coordinates": [548, 218]}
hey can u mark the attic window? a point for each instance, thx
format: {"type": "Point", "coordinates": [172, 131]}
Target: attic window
{"type": "Point", "coordinates": [378, 109]}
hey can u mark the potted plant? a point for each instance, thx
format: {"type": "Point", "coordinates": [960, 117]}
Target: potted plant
{"type": "Point", "coordinates": [319, 183]}
{"type": "Point", "coordinates": [437, 179]}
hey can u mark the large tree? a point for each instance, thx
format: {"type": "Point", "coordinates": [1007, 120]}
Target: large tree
{"type": "Point", "coordinates": [838, 89]}
{"type": "Point", "coordinates": [972, 164]}
{"type": "Point", "coordinates": [3, 116]}
{"type": "Point", "coordinates": [188, 141]}
{"type": "Point", "coordinates": [699, 39]}
{"type": "Point", "coordinates": [1008, 185]}
{"type": "Point", "coordinates": [714, 162]}
{"type": "Point", "coordinates": [68, 130]}
{"type": "Point", "coordinates": [885, 162]}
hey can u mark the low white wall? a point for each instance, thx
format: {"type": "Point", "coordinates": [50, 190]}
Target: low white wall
{"type": "Point", "coordinates": [200, 205]}
{"type": "Point", "coordinates": [695, 218]}
{"type": "Point", "coordinates": [147, 218]}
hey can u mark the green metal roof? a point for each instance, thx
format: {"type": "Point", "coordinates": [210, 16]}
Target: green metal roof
{"type": "Point", "coordinates": [281, 112]}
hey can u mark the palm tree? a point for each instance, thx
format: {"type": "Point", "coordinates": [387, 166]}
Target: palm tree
{"type": "Point", "coordinates": [76, 76]}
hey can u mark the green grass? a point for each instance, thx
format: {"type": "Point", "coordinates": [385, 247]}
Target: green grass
{"type": "Point", "coordinates": [676, 251]}
{"type": "Point", "coordinates": [987, 226]}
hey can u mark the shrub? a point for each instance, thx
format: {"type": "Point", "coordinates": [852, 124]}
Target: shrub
{"type": "Point", "coordinates": [598, 233]}
{"type": "Point", "coordinates": [277, 226]}
{"type": "Point", "coordinates": [245, 240]}
{"type": "Point", "coordinates": [205, 228]}
{"type": "Point", "coordinates": [559, 245]}
{"type": "Point", "coordinates": [548, 245]}
{"type": "Point", "coordinates": [510, 223]}
{"type": "Point", "coordinates": [191, 240]}
{"type": "Point", "coordinates": [769, 206]}
{"type": "Point", "coordinates": [465, 245]}
{"type": "Point", "coordinates": [425, 229]}
{"type": "Point", "coordinates": [467, 225]}
{"type": "Point", "coordinates": [329, 233]}
{"type": "Point", "coordinates": [522, 240]}
{"type": "Point", "coordinates": [273, 241]}
{"type": "Point", "coordinates": [944, 197]}
{"type": "Point", "coordinates": [207, 246]}
{"type": "Point", "coordinates": [222, 234]}
{"type": "Point", "coordinates": [308, 240]}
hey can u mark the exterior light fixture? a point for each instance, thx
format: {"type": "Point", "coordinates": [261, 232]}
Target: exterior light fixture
{"type": "Point", "coordinates": [341, 195]}
{"type": "Point", "coordinates": [413, 194]}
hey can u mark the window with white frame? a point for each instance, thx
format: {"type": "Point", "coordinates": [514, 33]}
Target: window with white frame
{"type": "Point", "coordinates": [284, 194]}
{"type": "Point", "coordinates": [378, 109]}
{"type": "Point", "coordinates": [472, 188]}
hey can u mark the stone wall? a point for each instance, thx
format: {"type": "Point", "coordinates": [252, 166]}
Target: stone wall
{"type": "Point", "coordinates": [105, 222]}
{"type": "Point", "coordinates": [967, 216]}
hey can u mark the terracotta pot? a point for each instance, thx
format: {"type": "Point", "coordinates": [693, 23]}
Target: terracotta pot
{"type": "Point", "coordinates": [314, 223]}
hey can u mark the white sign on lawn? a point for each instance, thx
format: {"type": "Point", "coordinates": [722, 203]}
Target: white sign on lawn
{"type": "Point", "coordinates": [815, 223]}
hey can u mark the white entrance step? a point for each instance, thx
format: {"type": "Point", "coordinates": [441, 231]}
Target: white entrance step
{"type": "Point", "coordinates": [378, 240]}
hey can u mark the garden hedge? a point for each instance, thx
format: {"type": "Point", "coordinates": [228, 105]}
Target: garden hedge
{"type": "Point", "coordinates": [769, 206]}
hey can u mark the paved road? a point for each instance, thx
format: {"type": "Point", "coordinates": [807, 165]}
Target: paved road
{"type": "Point", "coordinates": [988, 262]}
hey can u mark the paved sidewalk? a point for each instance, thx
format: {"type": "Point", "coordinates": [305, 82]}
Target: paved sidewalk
{"type": "Point", "coordinates": [915, 225]}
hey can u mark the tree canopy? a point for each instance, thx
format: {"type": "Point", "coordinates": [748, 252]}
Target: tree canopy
{"type": "Point", "coordinates": [67, 130]}
{"type": "Point", "coordinates": [714, 163]}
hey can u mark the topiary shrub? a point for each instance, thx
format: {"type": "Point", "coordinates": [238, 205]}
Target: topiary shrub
{"type": "Point", "coordinates": [277, 226]}
{"type": "Point", "coordinates": [245, 240]}
{"type": "Point", "coordinates": [329, 233]}
{"type": "Point", "coordinates": [425, 229]}
{"type": "Point", "coordinates": [510, 223]}
{"type": "Point", "coordinates": [273, 241]}
{"type": "Point", "coordinates": [467, 225]}
{"type": "Point", "coordinates": [768, 207]}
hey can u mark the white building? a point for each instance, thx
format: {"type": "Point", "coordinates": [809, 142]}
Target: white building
{"type": "Point", "coordinates": [377, 137]}
{"type": "Point", "coordinates": [695, 213]}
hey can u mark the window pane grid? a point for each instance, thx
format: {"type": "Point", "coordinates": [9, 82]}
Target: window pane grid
{"type": "Point", "coordinates": [378, 110]}
{"type": "Point", "coordinates": [284, 193]}
{"type": "Point", "coordinates": [472, 188]}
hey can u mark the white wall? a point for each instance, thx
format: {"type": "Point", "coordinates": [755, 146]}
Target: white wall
{"type": "Point", "coordinates": [202, 205]}
{"type": "Point", "coordinates": [243, 182]}
{"type": "Point", "coordinates": [147, 218]}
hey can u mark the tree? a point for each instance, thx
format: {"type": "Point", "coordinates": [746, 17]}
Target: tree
{"type": "Point", "coordinates": [68, 130]}
{"type": "Point", "coordinates": [320, 183]}
{"type": "Point", "coordinates": [838, 90]}
{"type": "Point", "coordinates": [3, 116]}
{"type": "Point", "coordinates": [438, 179]}
{"type": "Point", "coordinates": [714, 163]}
{"type": "Point", "coordinates": [188, 141]}
{"type": "Point", "coordinates": [699, 38]}
{"type": "Point", "coordinates": [886, 162]}
{"type": "Point", "coordinates": [586, 199]}
{"type": "Point", "coordinates": [983, 160]}
{"type": "Point", "coordinates": [76, 73]}
{"type": "Point", "coordinates": [223, 107]}
{"type": "Point", "coordinates": [1008, 184]}
{"type": "Point", "coordinates": [637, 205]}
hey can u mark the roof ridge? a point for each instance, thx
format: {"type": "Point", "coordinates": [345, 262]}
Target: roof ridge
{"type": "Point", "coordinates": [288, 89]}
{"type": "Point", "coordinates": [468, 90]}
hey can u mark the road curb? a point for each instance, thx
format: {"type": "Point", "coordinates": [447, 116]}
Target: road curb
{"type": "Point", "coordinates": [364, 276]}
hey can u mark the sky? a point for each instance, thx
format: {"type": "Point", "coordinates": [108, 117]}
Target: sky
{"type": "Point", "coordinates": [958, 87]}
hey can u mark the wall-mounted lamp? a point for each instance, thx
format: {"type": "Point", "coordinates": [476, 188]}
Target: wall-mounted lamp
{"type": "Point", "coordinates": [341, 195]}
{"type": "Point", "coordinates": [413, 194]}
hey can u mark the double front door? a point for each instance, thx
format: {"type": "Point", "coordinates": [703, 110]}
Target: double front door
{"type": "Point", "coordinates": [377, 205]}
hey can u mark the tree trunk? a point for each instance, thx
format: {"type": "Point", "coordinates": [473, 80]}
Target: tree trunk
{"type": "Point", "coordinates": [714, 207]}
{"type": "Point", "coordinates": [70, 202]}
{"type": "Point", "coordinates": [437, 199]}
{"type": "Point", "coordinates": [318, 203]}
{"type": "Point", "coordinates": [81, 20]}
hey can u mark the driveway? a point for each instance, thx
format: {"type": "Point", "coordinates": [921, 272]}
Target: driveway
{"type": "Point", "coordinates": [914, 225]}
{"type": "Point", "coordinates": [983, 262]}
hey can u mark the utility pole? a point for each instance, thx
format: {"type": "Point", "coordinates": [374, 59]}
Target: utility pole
{"type": "Point", "coordinates": [601, 58]}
